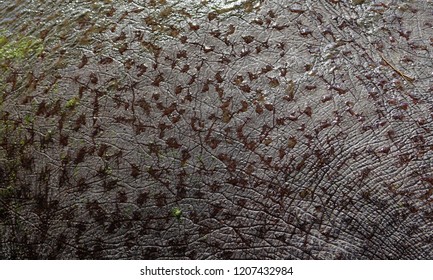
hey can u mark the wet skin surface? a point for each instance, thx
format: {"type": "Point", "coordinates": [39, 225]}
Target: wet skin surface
{"type": "Point", "coordinates": [258, 130]}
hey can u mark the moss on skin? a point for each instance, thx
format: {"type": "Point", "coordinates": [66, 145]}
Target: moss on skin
{"type": "Point", "coordinates": [6, 192]}
{"type": "Point", "coordinates": [72, 103]}
{"type": "Point", "coordinates": [20, 48]}
{"type": "Point", "coordinates": [176, 212]}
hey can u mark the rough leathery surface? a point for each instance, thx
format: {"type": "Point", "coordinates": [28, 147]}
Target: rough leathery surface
{"type": "Point", "coordinates": [147, 129]}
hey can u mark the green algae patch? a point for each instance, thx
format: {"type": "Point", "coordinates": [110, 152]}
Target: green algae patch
{"type": "Point", "coordinates": [72, 103]}
{"type": "Point", "coordinates": [6, 192]}
{"type": "Point", "coordinates": [176, 212]}
{"type": "Point", "coordinates": [20, 48]}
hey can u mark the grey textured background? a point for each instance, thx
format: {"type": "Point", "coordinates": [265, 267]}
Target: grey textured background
{"type": "Point", "coordinates": [279, 129]}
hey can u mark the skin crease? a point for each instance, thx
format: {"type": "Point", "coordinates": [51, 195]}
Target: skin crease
{"type": "Point", "coordinates": [264, 130]}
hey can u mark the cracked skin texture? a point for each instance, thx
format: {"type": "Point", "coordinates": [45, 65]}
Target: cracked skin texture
{"type": "Point", "coordinates": [300, 130]}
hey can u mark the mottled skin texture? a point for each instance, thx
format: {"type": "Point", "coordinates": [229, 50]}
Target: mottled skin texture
{"type": "Point", "coordinates": [299, 130]}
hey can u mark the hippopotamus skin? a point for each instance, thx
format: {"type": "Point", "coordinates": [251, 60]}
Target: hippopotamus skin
{"type": "Point", "coordinates": [264, 130]}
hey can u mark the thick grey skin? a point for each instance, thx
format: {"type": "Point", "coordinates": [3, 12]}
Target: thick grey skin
{"type": "Point", "coordinates": [300, 130]}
